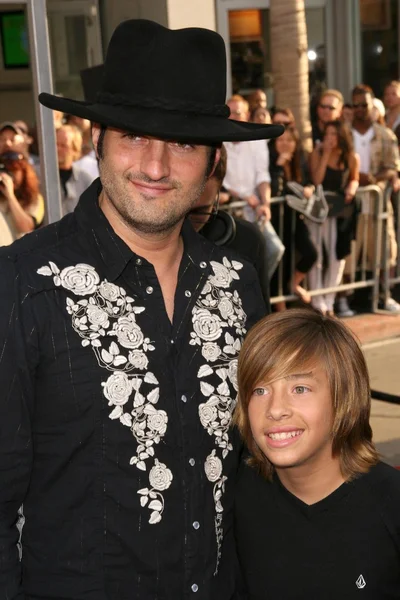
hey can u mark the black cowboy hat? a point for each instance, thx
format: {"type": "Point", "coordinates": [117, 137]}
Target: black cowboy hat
{"type": "Point", "coordinates": [170, 84]}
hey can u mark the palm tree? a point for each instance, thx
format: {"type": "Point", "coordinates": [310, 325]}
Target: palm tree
{"type": "Point", "coordinates": [289, 61]}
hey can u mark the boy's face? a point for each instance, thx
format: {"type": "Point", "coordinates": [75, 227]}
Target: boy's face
{"type": "Point", "coordinates": [291, 421]}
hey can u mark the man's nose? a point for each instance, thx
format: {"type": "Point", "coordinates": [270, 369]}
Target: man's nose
{"type": "Point", "coordinates": [155, 160]}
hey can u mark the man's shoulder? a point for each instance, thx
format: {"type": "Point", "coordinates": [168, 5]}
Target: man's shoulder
{"type": "Point", "coordinates": [29, 252]}
{"type": "Point", "coordinates": [383, 132]}
{"type": "Point", "coordinates": [385, 480]}
{"type": "Point", "coordinates": [223, 253]}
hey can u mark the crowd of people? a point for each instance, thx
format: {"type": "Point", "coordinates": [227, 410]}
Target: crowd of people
{"type": "Point", "coordinates": [354, 144]}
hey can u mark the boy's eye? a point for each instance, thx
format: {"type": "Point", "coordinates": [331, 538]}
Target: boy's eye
{"type": "Point", "coordinates": [260, 391]}
{"type": "Point", "coordinates": [301, 389]}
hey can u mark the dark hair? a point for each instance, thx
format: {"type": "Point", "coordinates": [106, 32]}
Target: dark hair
{"type": "Point", "coordinates": [284, 111]}
{"type": "Point", "coordinates": [255, 111]}
{"type": "Point", "coordinates": [362, 89]}
{"type": "Point", "coordinates": [28, 192]}
{"type": "Point", "coordinates": [295, 163]}
{"type": "Point", "coordinates": [220, 169]}
{"type": "Point", "coordinates": [100, 141]}
{"type": "Point", "coordinates": [345, 141]}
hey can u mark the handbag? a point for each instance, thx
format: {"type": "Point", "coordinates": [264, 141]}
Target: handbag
{"type": "Point", "coordinates": [336, 203]}
{"type": "Point", "coordinates": [314, 208]}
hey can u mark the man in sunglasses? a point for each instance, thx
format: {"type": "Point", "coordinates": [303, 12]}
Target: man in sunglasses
{"type": "Point", "coordinates": [379, 163]}
{"type": "Point", "coordinates": [329, 108]}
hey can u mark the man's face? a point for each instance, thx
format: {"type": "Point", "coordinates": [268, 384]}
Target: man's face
{"type": "Point", "coordinates": [65, 152]}
{"type": "Point", "coordinates": [238, 110]}
{"type": "Point", "coordinates": [291, 420]}
{"type": "Point", "coordinates": [149, 183]}
{"type": "Point", "coordinates": [362, 107]}
{"type": "Point", "coordinates": [391, 96]}
{"type": "Point", "coordinates": [11, 141]}
{"type": "Point", "coordinates": [329, 108]}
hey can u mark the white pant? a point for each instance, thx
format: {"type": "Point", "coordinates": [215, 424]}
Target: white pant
{"type": "Point", "coordinates": [325, 235]}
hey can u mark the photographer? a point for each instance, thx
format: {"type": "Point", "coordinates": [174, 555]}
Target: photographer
{"type": "Point", "coordinates": [21, 204]}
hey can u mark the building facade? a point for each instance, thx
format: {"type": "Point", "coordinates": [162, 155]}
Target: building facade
{"type": "Point", "coordinates": [348, 41]}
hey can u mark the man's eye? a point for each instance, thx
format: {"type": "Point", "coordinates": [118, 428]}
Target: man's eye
{"type": "Point", "coordinates": [134, 137]}
{"type": "Point", "coordinates": [182, 146]}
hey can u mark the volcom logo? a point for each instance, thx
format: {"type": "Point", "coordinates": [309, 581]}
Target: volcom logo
{"type": "Point", "coordinates": [361, 583]}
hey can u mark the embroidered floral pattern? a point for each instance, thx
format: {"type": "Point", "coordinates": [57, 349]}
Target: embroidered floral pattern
{"type": "Point", "coordinates": [216, 309]}
{"type": "Point", "coordinates": [107, 312]}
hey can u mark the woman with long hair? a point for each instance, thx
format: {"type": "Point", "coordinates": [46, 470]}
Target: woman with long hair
{"type": "Point", "coordinates": [285, 166]}
{"type": "Point", "coordinates": [335, 165]}
{"type": "Point", "coordinates": [21, 204]}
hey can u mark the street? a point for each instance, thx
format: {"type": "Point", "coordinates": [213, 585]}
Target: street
{"type": "Point", "coordinates": [384, 366]}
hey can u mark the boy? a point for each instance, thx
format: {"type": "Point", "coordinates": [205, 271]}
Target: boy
{"type": "Point", "coordinates": [319, 516]}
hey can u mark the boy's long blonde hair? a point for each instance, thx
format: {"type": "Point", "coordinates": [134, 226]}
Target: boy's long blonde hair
{"type": "Point", "coordinates": [296, 341]}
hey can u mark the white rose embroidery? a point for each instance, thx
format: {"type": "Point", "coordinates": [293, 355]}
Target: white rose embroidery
{"type": "Point", "coordinates": [97, 316]}
{"type": "Point", "coordinates": [117, 388]}
{"type": "Point", "coordinates": [138, 359]}
{"type": "Point", "coordinates": [206, 325]}
{"type": "Point", "coordinates": [157, 421]}
{"type": "Point", "coordinates": [109, 311]}
{"type": "Point", "coordinates": [208, 412]}
{"type": "Point", "coordinates": [232, 372]}
{"type": "Point", "coordinates": [211, 351]}
{"type": "Point", "coordinates": [128, 332]}
{"type": "Point", "coordinates": [225, 308]}
{"type": "Point", "coordinates": [222, 277]}
{"type": "Point", "coordinates": [160, 476]}
{"type": "Point", "coordinates": [109, 291]}
{"type": "Point", "coordinates": [81, 279]}
{"type": "Point", "coordinates": [213, 467]}
{"type": "Point", "coordinates": [218, 307]}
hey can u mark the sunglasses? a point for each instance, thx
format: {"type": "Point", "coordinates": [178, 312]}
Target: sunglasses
{"type": "Point", "coordinates": [360, 105]}
{"type": "Point", "coordinates": [327, 106]}
{"type": "Point", "coordinates": [8, 156]}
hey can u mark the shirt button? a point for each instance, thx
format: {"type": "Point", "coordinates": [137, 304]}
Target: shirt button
{"type": "Point", "coordinates": [149, 289]}
{"type": "Point", "coordinates": [188, 294]}
{"type": "Point", "coordinates": [203, 264]}
{"type": "Point", "coordinates": [192, 462]}
{"type": "Point", "coordinates": [183, 398]}
{"type": "Point", "coordinates": [195, 587]}
{"type": "Point", "coordinates": [196, 525]}
{"type": "Point", "coordinates": [138, 261]}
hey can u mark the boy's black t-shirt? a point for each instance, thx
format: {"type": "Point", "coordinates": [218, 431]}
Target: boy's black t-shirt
{"type": "Point", "coordinates": [345, 546]}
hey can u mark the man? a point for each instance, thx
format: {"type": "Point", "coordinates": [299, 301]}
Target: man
{"type": "Point", "coordinates": [121, 329]}
{"type": "Point", "coordinates": [11, 138]}
{"type": "Point", "coordinates": [391, 99]}
{"type": "Point", "coordinates": [329, 108]}
{"type": "Point", "coordinates": [247, 178]}
{"type": "Point", "coordinates": [379, 159]}
{"type": "Point", "coordinates": [73, 179]}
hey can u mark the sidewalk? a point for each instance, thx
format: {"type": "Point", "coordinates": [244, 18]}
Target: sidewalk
{"type": "Point", "coordinates": [374, 327]}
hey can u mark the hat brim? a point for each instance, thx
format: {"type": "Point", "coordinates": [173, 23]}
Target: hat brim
{"type": "Point", "coordinates": [164, 124]}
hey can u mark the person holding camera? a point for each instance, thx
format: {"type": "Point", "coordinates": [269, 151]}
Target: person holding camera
{"type": "Point", "coordinates": [21, 204]}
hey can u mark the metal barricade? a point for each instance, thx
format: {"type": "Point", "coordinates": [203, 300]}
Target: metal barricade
{"type": "Point", "coordinates": [391, 242]}
{"type": "Point", "coordinates": [363, 264]}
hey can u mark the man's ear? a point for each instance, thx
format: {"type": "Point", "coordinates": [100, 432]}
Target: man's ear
{"type": "Point", "coordinates": [96, 128]}
{"type": "Point", "coordinates": [216, 161]}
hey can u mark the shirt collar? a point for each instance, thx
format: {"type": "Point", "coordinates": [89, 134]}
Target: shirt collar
{"type": "Point", "coordinates": [112, 250]}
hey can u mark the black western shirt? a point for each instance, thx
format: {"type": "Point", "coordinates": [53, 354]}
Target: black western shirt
{"type": "Point", "coordinates": [114, 423]}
